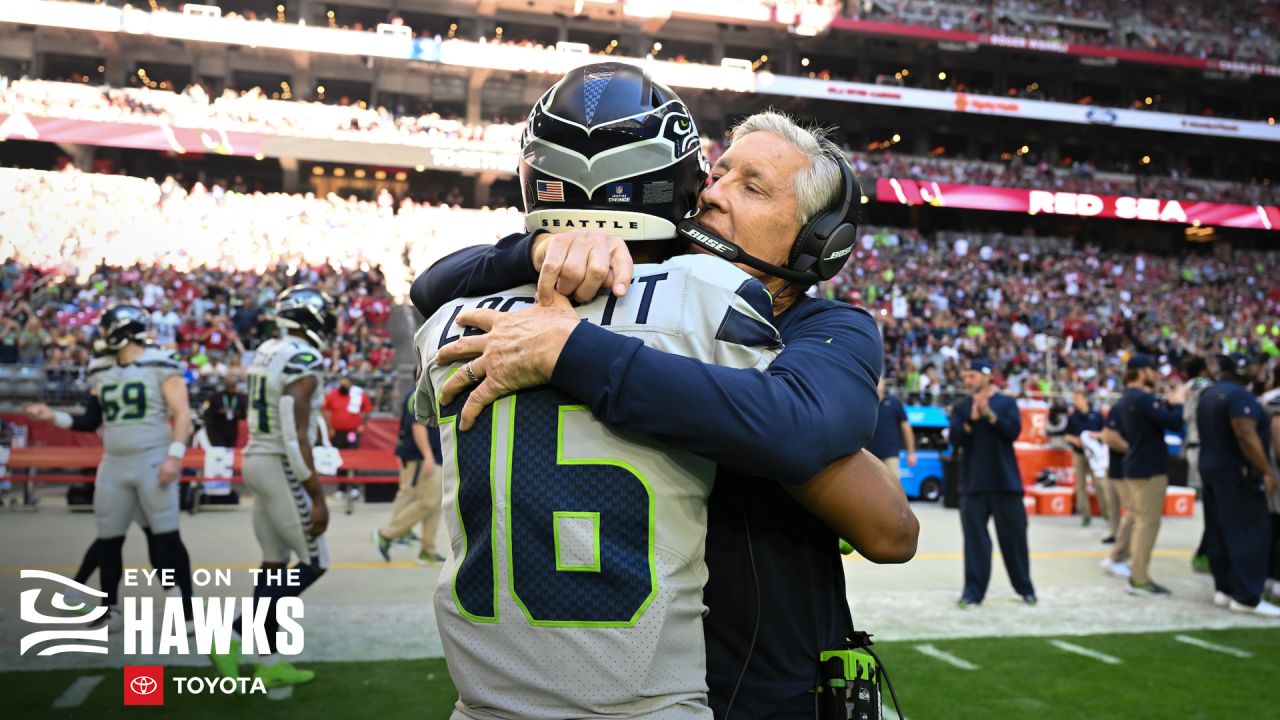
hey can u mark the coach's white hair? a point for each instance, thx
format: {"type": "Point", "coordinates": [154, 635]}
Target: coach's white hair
{"type": "Point", "coordinates": [817, 188]}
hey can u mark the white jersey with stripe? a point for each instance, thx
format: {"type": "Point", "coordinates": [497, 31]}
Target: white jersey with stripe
{"type": "Point", "coordinates": [135, 416]}
{"type": "Point", "coordinates": [277, 364]}
{"type": "Point", "coordinates": [574, 583]}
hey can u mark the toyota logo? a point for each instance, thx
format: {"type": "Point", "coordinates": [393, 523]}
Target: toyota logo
{"type": "Point", "coordinates": [143, 685]}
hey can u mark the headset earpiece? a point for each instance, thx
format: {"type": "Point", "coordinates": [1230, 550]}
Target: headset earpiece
{"type": "Point", "coordinates": [825, 242]}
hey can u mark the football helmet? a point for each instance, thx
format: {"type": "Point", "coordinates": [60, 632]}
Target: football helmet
{"type": "Point", "coordinates": [305, 308]}
{"type": "Point", "coordinates": [123, 324]}
{"type": "Point", "coordinates": [609, 148]}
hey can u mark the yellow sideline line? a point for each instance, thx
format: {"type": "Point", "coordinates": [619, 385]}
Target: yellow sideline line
{"type": "Point", "coordinates": [371, 565]}
{"type": "Point", "coordinates": [375, 565]}
{"type": "Point", "coordinates": [1041, 555]}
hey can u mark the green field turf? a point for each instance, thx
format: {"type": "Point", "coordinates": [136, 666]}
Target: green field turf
{"type": "Point", "coordinates": [1158, 677]}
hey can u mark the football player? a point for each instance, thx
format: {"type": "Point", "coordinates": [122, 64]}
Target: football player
{"type": "Point", "coordinates": [139, 399]}
{"type": "Point", "coordinates": [289, 511]}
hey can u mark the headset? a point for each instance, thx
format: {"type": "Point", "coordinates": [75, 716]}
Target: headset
{"type": "Point", "coordinates": [821, 248]}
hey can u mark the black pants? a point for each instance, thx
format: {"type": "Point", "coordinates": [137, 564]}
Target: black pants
{"type": "Point", "coordinates": [1275, 548]}
{"type": "Point", "coordinates": [1011, 530]}
{"type": "Point", "coordinates": [1238, 533]}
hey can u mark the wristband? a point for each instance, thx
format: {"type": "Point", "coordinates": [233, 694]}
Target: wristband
{"type": "Point", "coordinates": [177, 449]}
{"type": "Point", "coordinates": [62, 419]}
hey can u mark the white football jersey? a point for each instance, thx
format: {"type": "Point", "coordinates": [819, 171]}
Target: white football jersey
{"type": "Point", "coordinates": [135, 416]}
{"type": "Point", "coordinates": [573, 587]}
{"type": "Point", "coordinates": [278, 363]}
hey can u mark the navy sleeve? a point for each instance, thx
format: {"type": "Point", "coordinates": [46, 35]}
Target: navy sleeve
{"type": "Point", "coordinates": [475, 271]}
{"type": "Point", "coordinates": [959, 437]}
{"type": "Point", "coordinates": [1168, 417]}
{"type": "Point", "coordinates": [900, 411]}
{"type": "Point", "coordinates": [91, 419]}
{"type": "Point", "coordinates": [1009, 420]}
{"type": "Point", "coordinates": [816, 403]}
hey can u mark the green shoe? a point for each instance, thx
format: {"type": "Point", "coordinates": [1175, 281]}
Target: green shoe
{"type": "Point", "coordinates": [845, 547]}
{"type": "Point", "coordinates": [228, 663]}
{"type": "Point", "coordinates": [966, 604]}
{"type": "Point", "coordinates": [281, 674]}
{"type": "Point", "coordinates": [1200, 563]}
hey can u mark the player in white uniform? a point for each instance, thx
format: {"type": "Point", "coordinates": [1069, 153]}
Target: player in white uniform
{"type": "Point", "coordinates": [289, 510]}
{"type": "Point", "coordinates": [574, 583]}
{"type": "Point", "coordinates": [139, 399]}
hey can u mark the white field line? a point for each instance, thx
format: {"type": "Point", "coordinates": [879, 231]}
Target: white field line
{"type": "Point", "coordinates": [77, 692]}
{"type": "Point", "coordinates": [1086, 652]}
{"type": "Point", "coordinates": [1224, 649]}
{"type": "Point", "coordinates": [945, 657]}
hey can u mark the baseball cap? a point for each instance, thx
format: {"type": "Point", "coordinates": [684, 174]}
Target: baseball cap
{"type": "Point", "coordinates": [1140, 360]}
{"type": "Point", "coordinates": [980, 365]}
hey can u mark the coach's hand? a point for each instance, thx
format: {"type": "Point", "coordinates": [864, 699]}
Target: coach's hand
{"type": "Point", "coordinates": [519, 350]}
{"type": "Point", "coordinates": [170, 470]}
{"type": "Point", "coordinates": [319, 517]}
{"type": "Point", "coordinates": [579, 263]}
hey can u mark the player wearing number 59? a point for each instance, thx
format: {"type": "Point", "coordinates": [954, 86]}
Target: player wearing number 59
{"type": "Point", "coordinates": [139, 399]}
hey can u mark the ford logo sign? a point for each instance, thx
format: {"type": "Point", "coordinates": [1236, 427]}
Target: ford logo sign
{"type": "Point", "coordinates": [1101, 116]}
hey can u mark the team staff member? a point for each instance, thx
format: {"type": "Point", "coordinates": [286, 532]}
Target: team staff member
{"type": "Point", "coordinates": [1200, 378]}
{"type": "Point", "coordinates": [984, 426]}
{"type": "Point", "coordinates": [1235, 466]}
{"type": "Point", "coordinates": [892, 433]}
{"type": "Point", "coordinates": [1143, 422]}
{"type": "Point", "coordinates": [418, 498]}
{"type": "Point", "coordinates": [1083, 419]}
{"type": "Point", "coordinates": [819, 391]}
{"type": "Point", "coordinates": [1271, 404]}
{"type": "Point", "coordinates": [1117, 562]}
{"type": "Point", "coordinates": [223, 411]}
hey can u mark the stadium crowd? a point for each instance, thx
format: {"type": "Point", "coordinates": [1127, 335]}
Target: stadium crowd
{"type": "Point", "coordinates": [1238, 30]}
{"type": "Point", "coordinates": [1052, 317]}
{"type": "Point", "coordinates": [78, 242]}
{"type": "Point", "coordinates": [253, 110]}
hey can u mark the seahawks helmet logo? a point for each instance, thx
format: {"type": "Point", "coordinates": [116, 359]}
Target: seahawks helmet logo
{"type": "Point", "coordinates": [667, 136]}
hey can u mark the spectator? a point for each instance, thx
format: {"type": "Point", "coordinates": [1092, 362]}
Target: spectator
{"type": "Point", "coordinates": [223, 410]}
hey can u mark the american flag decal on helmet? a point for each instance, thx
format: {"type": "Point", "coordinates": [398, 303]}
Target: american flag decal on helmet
{"type": "Point", "coordinates": [550, 191]}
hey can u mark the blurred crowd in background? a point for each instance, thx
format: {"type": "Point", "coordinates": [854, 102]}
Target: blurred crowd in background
{"type": "Point", "coordinates": [1241, 30]}
{"type": "Point", "coordinates": [253, 110]}
{"type": "Point", "coordinates": [1053, 316]}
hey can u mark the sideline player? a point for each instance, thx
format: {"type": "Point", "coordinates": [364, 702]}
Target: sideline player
{"type": "Point", "coordinates": [136, 391]}
{"type": "Point", "coordinates": [289, 510]}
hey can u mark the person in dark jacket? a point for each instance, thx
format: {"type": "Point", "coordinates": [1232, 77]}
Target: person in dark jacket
{"type": "Point", "coordinates": [983, 427]}
{"type": "Point", "coordinates": [1235, 466]}
{"type": "Point", "coordinates": [1143, 420]}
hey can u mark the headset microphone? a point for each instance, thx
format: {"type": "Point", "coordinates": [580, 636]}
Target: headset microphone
{"type": "Point", "coordinates": [725, 249]}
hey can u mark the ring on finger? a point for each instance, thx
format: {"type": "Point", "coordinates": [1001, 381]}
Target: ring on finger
{"type": "Point", "coordinates": [471, 374]}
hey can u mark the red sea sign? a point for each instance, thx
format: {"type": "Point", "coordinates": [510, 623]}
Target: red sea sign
{"type": "Point", "coordinates": [1047, 202]}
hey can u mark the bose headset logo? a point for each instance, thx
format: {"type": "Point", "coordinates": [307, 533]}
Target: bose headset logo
{"type": "Point", "coordinates": [707, 241]}
{"type": "Point", "coordinates": [840, 253]}
{"type": "Point", "coordinates": [67, 639]}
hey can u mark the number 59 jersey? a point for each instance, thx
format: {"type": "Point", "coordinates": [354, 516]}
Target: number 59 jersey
{"type": "Point", "coordinates": [574, 583]}
{"type": "Point", "coordinates": [135, 416]}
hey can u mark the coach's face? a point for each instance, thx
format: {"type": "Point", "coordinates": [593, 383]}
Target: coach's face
{"type": "Point", "coordinates": [752, 197]}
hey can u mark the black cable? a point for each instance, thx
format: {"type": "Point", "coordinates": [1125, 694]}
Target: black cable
{"type": "Point", "coordinates": [887, 681]}
{"type": "Point", "coordinates": [751, 648]}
